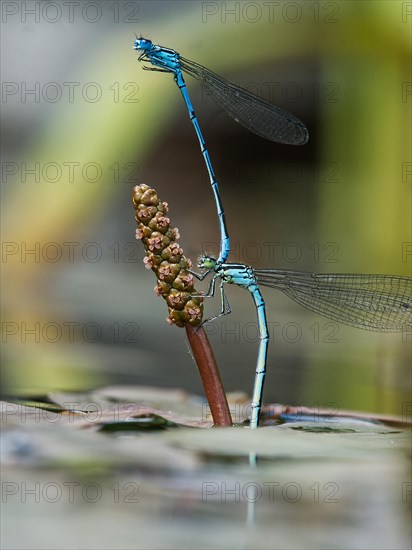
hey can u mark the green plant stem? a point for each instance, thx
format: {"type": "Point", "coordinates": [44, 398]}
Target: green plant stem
{"type": "Point", "coordinates": [209, 373]}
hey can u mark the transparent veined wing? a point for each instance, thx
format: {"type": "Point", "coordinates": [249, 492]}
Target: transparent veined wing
{"type": "Point", "coordinates": [373, 302]}
{"type": "Point", "coordinates": [255, 114]}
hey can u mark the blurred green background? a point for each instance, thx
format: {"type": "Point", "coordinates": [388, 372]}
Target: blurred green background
{"type": "Point", "coordinates": [79, 311]}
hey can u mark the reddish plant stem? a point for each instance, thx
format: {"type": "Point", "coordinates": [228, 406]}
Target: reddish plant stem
{"type": "Point", "coordinates": [209, 373]}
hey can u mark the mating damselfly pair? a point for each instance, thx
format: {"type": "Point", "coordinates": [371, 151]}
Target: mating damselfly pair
{"type": "Point", "coordinates": [372, 302]}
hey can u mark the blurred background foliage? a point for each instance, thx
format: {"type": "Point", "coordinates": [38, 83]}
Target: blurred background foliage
{"type": "Point", "coordinates": [341, 203]}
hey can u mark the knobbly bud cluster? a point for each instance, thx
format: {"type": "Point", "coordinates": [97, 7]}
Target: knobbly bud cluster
{"type": "Point", "coordinates": [165, 257]}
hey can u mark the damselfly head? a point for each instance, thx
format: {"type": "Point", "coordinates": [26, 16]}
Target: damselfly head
{"type": "Point", "coordinates": [142, 43]}
{"type": "Point", "coordinates": [206, 262]}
